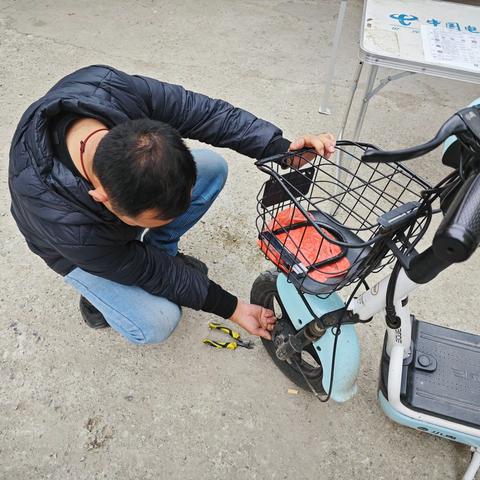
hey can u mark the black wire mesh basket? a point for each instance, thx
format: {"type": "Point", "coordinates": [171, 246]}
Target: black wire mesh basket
{"type": "Point", "coordinates": [327, 223]}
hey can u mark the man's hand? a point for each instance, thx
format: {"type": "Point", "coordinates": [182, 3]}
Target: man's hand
{"type": "Point", "coordinates": [254, 319]}
{"type": "Point", "coordinates": [323, 143]}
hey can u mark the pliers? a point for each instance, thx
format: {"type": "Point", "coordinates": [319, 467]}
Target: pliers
{"type": "Point", "coordinates": [237, 342]}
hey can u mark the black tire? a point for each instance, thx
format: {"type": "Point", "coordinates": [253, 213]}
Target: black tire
{"type": "Point", "coordinates": [263, 292]}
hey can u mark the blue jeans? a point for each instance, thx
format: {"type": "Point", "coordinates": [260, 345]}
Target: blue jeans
{"type": "Point", "coordinates": [131, 311]}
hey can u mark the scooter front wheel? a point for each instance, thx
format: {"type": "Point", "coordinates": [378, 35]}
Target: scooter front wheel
{"type": "Point", "coordinates": [264, 292]}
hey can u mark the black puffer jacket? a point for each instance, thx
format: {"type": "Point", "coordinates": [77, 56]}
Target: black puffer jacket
{"type": "Point", "coordinates": [66, 227]}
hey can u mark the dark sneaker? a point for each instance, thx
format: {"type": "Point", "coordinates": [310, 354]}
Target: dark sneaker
{"type": "Point", "coordinates": [91, 316]}
{"type": "Point", "coordinates": [193, 262]}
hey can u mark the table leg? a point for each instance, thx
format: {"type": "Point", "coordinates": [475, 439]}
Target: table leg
{"type": "Point", "coordinates": [331, 66]}
{"type": "Point", "coordinates": [366, 98]}
{"type": "Point", "coordinates": [350, 101]}
{"type": "Point", "coordinates": [339, 155]}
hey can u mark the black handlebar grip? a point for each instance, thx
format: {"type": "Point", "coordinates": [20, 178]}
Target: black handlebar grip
{"type": "Point", "coordinates": [458, 235]}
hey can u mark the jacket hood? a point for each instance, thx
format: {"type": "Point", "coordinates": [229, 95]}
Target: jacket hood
{"type": "Point", "coordinates": [37, 172]}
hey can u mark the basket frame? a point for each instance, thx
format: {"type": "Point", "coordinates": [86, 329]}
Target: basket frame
{"type": "Point", "coordinates": [381, 242]}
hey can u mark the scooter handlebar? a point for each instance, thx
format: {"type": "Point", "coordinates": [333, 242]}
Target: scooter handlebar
{"type": "Point", "coordinates": [458, 235]}
{"type": "Point", "coordinates": [454, 125]}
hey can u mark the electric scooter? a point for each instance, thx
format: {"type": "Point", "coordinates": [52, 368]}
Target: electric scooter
{"type": "Point", "coordinates": [327, 226]}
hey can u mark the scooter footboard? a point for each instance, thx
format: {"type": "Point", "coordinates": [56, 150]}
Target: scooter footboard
{"type": "Point", "coordinates": [347, 358]}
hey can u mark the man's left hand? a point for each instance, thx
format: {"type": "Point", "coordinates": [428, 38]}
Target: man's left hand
{"type": "Point", "coordinates": [323, 143]}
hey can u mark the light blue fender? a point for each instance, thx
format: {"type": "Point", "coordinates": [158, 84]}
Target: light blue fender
{"type": "Point", "coordinates": [347, 361]}
{"type": "Point", "coordinates": [453, 138]}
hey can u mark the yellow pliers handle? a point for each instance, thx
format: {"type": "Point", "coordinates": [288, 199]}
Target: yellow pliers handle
{"type": "Point", "coordinates": [214, 343]}
{"type": "Point", "coordinates": [224, 329]}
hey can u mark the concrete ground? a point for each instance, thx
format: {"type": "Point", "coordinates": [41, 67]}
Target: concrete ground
{"type": "Point", "coordinates": [82, 404]}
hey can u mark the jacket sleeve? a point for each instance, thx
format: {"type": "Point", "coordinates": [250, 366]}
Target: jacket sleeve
{"type": "Point", "coordinates": [209, 120]}
{"type": "Point", "coordinates": [147, 267]}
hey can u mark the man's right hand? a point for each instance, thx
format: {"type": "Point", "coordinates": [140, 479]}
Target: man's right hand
{"type": "Point", "coordinates": [254, 319]}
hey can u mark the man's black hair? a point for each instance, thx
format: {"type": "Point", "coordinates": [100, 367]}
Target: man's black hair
{"type": "Point", "coordinates": [144, 164]}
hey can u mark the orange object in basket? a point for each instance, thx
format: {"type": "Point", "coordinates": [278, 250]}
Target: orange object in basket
{"type": "Point", "coordinates": [306, 244]}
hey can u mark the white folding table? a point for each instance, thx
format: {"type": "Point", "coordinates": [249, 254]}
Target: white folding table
{"type": "Point", "coordinates": [432, 37]}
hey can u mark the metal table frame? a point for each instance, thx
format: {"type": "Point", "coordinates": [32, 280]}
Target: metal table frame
{"type": "Point", "coordinates": [324, 108]}
{"type": "Point", "coordinates": [370, 92]}
{"type": "Point", "coordinates": [375, 61]}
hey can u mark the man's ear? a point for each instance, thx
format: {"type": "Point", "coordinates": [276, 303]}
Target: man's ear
{"type": "Point", "coordinates": [99, 195]}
